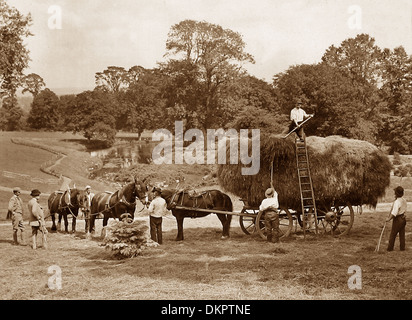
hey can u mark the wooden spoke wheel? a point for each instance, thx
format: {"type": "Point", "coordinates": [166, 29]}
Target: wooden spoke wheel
{"type": "Point", "coordinates": [336, 221]}
{"type": "Point", "coordinates": [247, 223]}
{"type": "Point", "coordinates": [285, 224]}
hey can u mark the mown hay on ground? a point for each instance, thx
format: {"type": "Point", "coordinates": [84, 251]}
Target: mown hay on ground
{"type": "Point", "coordinates": [343, 171]}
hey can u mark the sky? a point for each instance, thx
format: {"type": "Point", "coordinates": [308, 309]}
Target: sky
{"type": "Point", "coordinates": [74, 39]}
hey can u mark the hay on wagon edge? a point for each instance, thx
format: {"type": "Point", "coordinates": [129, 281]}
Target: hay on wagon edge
{"type": "Point", "coordinates": [343, 171]}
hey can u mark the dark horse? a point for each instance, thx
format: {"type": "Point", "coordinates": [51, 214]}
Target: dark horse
{"type": "Point", "coordinates": [209, 199]}
{"type": "Point", "coordinates": [113, 205]}
{"type": "Point", "coordinates": [67, 202]}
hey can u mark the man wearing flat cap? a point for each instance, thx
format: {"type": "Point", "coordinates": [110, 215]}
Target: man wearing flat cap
{"type": "Point", "coordinates": [397, 214]}
{"type": "Point", "coordinates": [16, 209]}
{"type": "Point", "coordinates": [270, 207]}
{"type": "Point", "coordinates": [37, 219]}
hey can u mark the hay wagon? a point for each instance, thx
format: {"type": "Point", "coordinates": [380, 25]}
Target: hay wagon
{"type": "Point", "coordinates": [318, 188]}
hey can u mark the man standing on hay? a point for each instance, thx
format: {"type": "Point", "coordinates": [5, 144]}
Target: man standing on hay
{"type": "Point", "coordinates": [297, 116]}
{"type": "Point", "coordinates": [270, 207]}
{"type": "Point", "coordinates": [397, 213]}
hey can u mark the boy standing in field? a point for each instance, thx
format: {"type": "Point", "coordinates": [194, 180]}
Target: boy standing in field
{"type": "Point", "coordinates": [397, 213]}
{"type": "Point", "coordinates": [16, 209]}
{"type": "Point", "coordinates": [37, 219]}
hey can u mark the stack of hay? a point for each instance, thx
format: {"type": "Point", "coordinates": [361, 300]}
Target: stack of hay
{"type": "Point", "coordinates": [128, 240]}
{"type": "Point", "coordinates": [344, 171]}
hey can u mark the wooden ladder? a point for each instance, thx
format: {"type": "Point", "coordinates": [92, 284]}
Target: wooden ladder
{"type": "Point", "coordinates": [307, 196]}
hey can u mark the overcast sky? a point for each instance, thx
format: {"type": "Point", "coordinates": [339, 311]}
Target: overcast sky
{"type": "Point", "coordinates": [95, 34]}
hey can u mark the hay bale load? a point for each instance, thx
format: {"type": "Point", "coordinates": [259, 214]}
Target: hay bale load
{"type": "Point", "coordinates": [343, 171]}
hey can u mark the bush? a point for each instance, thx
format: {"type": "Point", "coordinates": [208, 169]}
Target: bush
{"type": "Point", "coordinates": [128, 240]}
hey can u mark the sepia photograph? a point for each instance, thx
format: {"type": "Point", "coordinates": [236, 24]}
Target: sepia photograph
{"type": "Point", "coordinates": [205, 158]}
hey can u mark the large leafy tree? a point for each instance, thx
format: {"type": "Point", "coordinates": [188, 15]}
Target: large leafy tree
{"type": "Point", "coordinates": [142, 104]}
{"type": "Point", "coordinates": [396, 96]}
{"type": "Point", "coordinates": [45, 111]}
{"type": "Point", "coordinates": [33, 83]}
{"type": "Point", "coordinates": [10, 114]}
{"type": "Point", "coordinates": [92, 113]}
{"type": "Point", "coordinates": [113, 79]}
{"type": "Point", "coordinates": [202, 58]}
{"type": "Point", "coordinates": [14, 56]}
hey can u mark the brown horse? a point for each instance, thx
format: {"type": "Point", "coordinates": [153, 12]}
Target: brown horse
{"type": "Point", "coordinates": [114, 205]}
{"type": "Point", "coordinates": [209, 199]}
{"type": "Point", "coordinates": [67, 202]}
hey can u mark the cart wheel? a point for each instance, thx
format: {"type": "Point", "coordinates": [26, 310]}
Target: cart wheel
{"type": "Point", "coordinates": [285, 224]}
{"type": "Point", "coordinates": [247, 223]}
{"type": "Point", "coordinates": [336, 221]}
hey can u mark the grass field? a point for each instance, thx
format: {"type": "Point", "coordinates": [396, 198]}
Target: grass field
{"type": "Point", "coordinates": [203, 266]}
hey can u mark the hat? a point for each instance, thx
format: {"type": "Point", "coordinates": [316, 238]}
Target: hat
{"type": "Point", "coordinates": [156, 189]}
{"type": "Point", "coordinates": [269, 192]}
{"type": "Point", "coordinates": [399, 191]}
{"type": "Point", "coordinates": [299, 101]}
{"type": "Point", "coordinates": [16, 189]}
{"type": "Point", "coordinates": [35, 193]}
{"type": "Point", "coordinates": [87, 187]}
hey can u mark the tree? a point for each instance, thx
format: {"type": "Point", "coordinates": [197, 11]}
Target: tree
{"type": "Point", "coordinates": [329, 94]}
{"type": "Point", "coordinates": [202, 58]}
{"type": "Point", "coordinates": [142, 104]}
{"type": "Point", "coordinates": [33, 83]}
{"type": "Point", "coordinates": [14, 56]}
{"type": "Point", "coordinates": [113, 79]}
{"type": "Point", "coordinates": [359, 57]}
{"type": "Point", "coordinates": [44, 112]}
{"type": "Point", "coordinates": [92, 113]}
{"type": "Point", "coordinates": [10, 114]}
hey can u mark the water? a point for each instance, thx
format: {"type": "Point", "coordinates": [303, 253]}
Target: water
{"type": "Point", "coordinates": [126, 154]}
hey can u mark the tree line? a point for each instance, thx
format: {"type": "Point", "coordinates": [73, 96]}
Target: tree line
{"type": "Point", "coordinates": [357, 90]}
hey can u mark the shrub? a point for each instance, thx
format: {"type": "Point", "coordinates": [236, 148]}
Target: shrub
{"type": "Point", "coordinates": [128, 240]}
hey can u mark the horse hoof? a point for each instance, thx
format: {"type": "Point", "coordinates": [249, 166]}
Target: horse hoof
{"type": "Point", "coordinates": [224, 237]}
{"type": "Point", "coordinates": [179, 239]}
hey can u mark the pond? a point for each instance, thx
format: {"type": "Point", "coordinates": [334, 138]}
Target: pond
{"type": "Point", "coordinates": [125, 154]}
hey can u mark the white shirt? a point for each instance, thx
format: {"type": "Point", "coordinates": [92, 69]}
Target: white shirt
{"type": "Point", "coordinates": [269, 202]}
{"type": "Point", "coordinates": [297, 114]}
{"type": "Point", "coordinates": [399, 207]}
{"type": "Point", "coordinates": [158, 207]}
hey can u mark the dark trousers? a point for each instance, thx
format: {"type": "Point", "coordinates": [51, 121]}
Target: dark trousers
{"type": "Point", "coordinates": [299, 132]}
{"type": "Point", "coordinates": [272, 226]}
{"type": "Point", "coordinates": [156, 229]}
{"type": "Point", "coordinates": [398, 226]}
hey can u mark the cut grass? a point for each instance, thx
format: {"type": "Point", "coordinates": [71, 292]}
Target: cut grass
{"type": "Point", "coordinates": [205, 267]}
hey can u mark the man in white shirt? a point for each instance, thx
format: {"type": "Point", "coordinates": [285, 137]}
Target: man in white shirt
{"type": "Point", "coordinates": [297, 116]}
{"type": "Point", "coordinates": [270, 207]}
{"type": "Point", "coordinates": [157, 209]}
{"type": "Point", "coordinates": [397, 213]}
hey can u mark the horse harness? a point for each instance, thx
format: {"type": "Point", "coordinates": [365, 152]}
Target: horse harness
{"type": "Point", "coordinates": [196, 199]}
{"type": "Point", "coordinates": [108, 207]}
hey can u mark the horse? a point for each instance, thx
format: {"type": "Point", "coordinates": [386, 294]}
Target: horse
{"type": "Point", "coordinates": [116, 204]}
{"type": "Point", "coordinates": [209, 199]}
{"type": "Point", "coordinates": [67, 202]}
